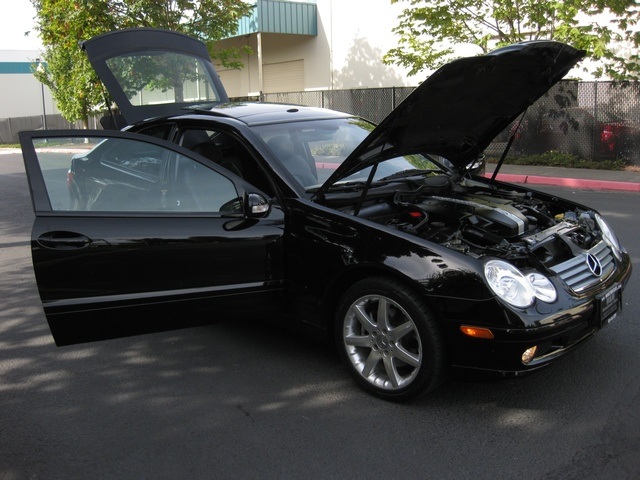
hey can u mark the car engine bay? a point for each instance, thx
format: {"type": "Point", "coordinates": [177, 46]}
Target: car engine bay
{"type": "Point", "coordinates": [479, 219]}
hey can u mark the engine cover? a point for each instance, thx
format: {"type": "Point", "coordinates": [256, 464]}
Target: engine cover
{"type": "Point", "coordinates": [495, 215]}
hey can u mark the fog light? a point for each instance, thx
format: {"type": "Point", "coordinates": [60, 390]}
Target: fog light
{"type": "Point", "coordinates": [528, 354]}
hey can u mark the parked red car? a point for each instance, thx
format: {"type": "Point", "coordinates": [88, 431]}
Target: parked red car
{"type": "Point", "coordinates": [576, 131]}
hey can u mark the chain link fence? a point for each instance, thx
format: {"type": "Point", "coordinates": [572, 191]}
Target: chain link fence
{"type": "Point", "coordinates": [371, 103]}
{"type": "Point", "coordinates": [592, 120]}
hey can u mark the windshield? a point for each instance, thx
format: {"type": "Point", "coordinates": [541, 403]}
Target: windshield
{"type": "Point", "coordinates": [312, 150]}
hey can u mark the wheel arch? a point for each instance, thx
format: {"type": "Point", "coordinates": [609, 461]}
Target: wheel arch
{"type": "Point", "coordinates": [364, 356]}
{"type": "Point", "coordinates": [341, 283]}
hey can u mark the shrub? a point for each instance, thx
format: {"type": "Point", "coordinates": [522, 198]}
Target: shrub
{"type": "Point", "coordinates": [560, 159]}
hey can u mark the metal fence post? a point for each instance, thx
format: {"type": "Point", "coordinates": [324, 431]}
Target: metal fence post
{"type": "Point", "coordinates": [595, 121]}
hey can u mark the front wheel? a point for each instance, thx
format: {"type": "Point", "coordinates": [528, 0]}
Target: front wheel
{"type": "Point", "coordinates": [389, 340]}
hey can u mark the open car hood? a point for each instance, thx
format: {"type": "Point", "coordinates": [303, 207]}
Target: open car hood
{"type": "Point", "coordinates": [463, 106]}
{"type": "Point", "coordinates": [150, 72]}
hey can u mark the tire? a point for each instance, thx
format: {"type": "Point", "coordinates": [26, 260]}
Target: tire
{"type": "Point", "coordinates": [388, 340]}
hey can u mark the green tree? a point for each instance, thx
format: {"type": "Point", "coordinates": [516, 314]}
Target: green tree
{"type": "Point", "coordinates": [607, 30]}
{"type": "Point", "coordinates": [62, 24]}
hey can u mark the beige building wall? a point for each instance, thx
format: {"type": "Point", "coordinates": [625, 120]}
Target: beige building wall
{"type": "Point", "coordinates": [353, 36]}
{"type": "Point", "coordinates": [359, 34]}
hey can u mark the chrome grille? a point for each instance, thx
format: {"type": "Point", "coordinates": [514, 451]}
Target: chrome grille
{"type": "Point", "coordinates": [577, 274]}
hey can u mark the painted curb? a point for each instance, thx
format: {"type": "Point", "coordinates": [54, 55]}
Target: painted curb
{"type": "Point", "coordinates": [580, 183]}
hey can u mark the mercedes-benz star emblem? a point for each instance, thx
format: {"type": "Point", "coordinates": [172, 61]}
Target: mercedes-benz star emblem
{"type": "Point", "coordinates": [594, 264]}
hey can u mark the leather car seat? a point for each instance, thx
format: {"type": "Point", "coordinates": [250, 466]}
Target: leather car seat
{"type": "Point", "coordinates": [212, 152]}
{"type": "Point", "coordinates": [284, 150]}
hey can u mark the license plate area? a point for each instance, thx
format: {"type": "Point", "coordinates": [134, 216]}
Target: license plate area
{"type": "Point", "coordinates": [610, 304]}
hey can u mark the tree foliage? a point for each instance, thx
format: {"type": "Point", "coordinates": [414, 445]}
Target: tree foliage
{"type": "Point", "coordinates": [607, 30]}
{"type": "Point", "coordinates": [62, 24]}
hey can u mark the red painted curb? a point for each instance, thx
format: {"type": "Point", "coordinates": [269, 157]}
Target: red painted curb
{"type": "Point", "coordinates": [568, 182]}
{"type": "Point", "coordinates": [509, 177]}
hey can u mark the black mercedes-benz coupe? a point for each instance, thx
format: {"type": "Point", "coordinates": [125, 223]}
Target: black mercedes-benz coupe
{"type": "Point", "coordinates": [377, 237]}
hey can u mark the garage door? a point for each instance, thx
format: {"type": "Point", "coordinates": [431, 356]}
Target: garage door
{"type": "Point", "coordinates": [283, 77]}
{"type": "Point", "coordinates": [231, 81]}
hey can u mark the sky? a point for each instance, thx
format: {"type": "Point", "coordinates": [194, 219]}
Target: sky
{"type": "Point", "coordinates": [14, 23]}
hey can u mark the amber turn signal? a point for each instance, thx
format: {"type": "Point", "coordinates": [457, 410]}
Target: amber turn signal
{"type": "Point", "coordinates": [476, 332]}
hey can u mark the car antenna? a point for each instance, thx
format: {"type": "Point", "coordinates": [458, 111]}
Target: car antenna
{"type": "Point", "coordinates": [507, 148]}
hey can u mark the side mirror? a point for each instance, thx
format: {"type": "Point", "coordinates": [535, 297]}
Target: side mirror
{"type": "Point", "coordinates": [257, 205]}
{"type": "Point", "coordinates": [477, 167]}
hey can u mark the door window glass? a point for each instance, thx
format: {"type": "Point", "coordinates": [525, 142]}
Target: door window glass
{"type": "Point", "coordinates": [125, 175]}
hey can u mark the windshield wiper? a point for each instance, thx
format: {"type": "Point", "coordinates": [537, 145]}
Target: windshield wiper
{"type": "Point", "coordinates": [337, 186]}
{"type": "Point", "coordinates": [406, 173]}
{"type": "Point", "coordinates": [352, 184]}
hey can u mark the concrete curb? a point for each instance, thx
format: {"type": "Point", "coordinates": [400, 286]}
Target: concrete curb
{"type": "Point", "coordinates": [7, 151]}
{"type": "Point", "coordinates": [581, 183]}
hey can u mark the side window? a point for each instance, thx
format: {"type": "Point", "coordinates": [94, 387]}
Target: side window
{"type": "Point", "coordinates": [125, 175]}
{"type": "Point", "coordinates": [200, 189]}
{"type": "Point", "coordinates": [219, 147]}
{"type": "Point", "coordinates": [225, 150]}
{"type": "Point", "coordinates": [157, 131]}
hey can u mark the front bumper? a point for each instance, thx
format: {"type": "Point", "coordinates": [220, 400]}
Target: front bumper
{"type": "Point", "coordinates": [553, 336]}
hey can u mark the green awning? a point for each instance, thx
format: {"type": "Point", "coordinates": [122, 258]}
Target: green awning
{"type": "Point", "coordinates": [15, 67]}
{"type": "Point", "coordinates": [274, 16]}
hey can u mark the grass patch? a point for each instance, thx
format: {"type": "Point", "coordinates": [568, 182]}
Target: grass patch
{"type": "Point", "coordinates": [560, 159]}
{"type": "Point", "coordinates": [9, 145]}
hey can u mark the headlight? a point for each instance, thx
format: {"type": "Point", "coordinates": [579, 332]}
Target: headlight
{"type": "Point", "coordinates": [543, 289]}
{"type": "Point", "coordinates": [609, 237]}
{"type": "Point", "coordinates": [508, 283]}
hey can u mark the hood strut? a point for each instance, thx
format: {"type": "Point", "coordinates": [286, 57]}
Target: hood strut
{"type": "Point", "coordinates": [366, 188]}
{"type": "Point", "coordinates": [110, 122]}
{"type": "Point", "coordinates": [507, 147]}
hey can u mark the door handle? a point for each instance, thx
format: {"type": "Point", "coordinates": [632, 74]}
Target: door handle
{"type": "Point", "coordinates": [64, 240]}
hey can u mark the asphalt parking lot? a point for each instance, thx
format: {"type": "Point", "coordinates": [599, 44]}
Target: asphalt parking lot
{"type": "Point", "coordinates": [253, 401]}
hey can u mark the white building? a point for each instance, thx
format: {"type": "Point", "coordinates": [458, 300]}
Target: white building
{"type": "Point", "coordinates": [21, 95]}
